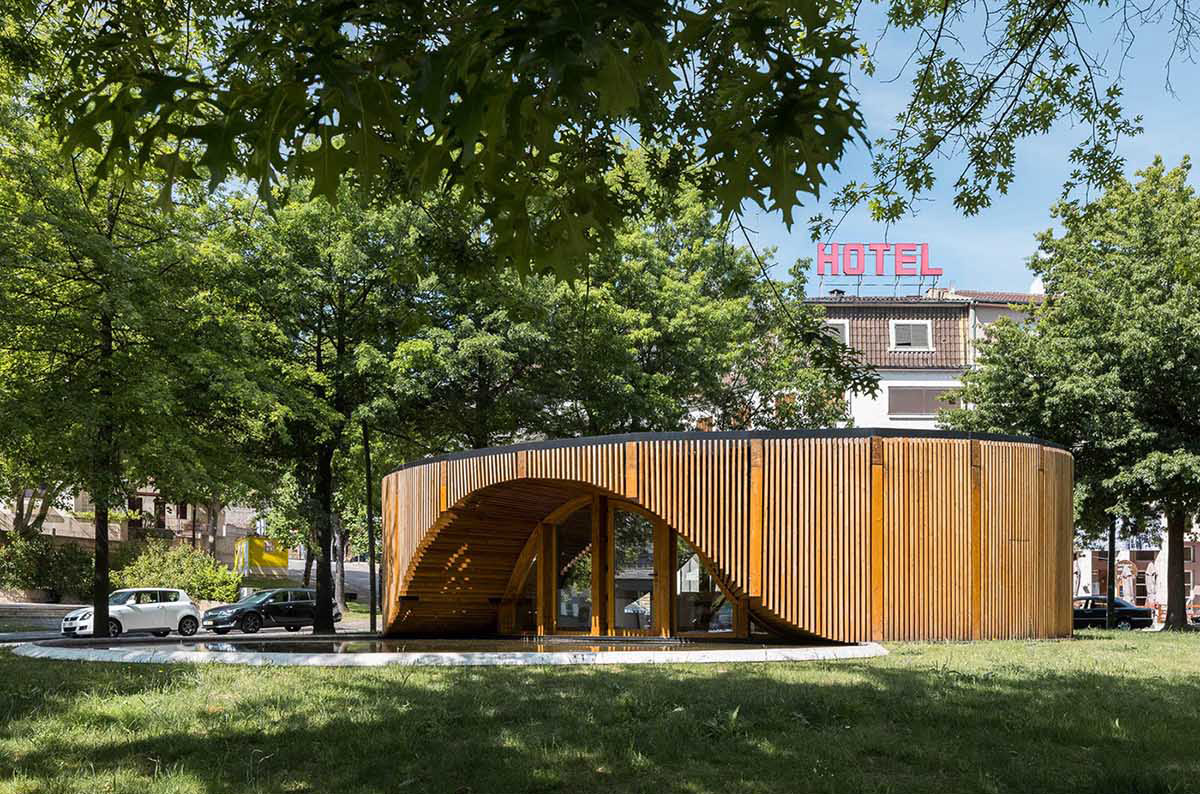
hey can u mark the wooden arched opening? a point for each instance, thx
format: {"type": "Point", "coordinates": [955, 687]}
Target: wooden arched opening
{"type": "Point", "coordinates": [847, 535]}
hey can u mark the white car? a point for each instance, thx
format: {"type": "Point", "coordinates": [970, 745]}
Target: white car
{"type": "Point", "coordinates": [156, 610]}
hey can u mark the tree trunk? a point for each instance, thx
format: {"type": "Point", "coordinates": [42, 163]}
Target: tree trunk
{"type": "Point", "coordinates": [193, 526]}
{"type": "Point", "coordinates": [339, 561]}
{"type": "Point", "coordinates": [308, 564]}
{"type": "Point", "coordinates": [18, 528]}
{"type": "Point", "coordinates": [214, 509]}
{"type": "Point", "coordinates": [323, 622]}
{"type": "Point", "coordinates": [370, 521]}
{"type": "Point", "coordinates": [1176, 597]}
{"type": "Point", "coordinates": [26, 524]}
{"type": "Point", "coordinates": [49, 495]}
{"type": "Point", "coordinates": [106, 454]}
{"type": "Point", "coordinates": [1110, 619]}
{"type": "Point", "coordinates": [100, 582]}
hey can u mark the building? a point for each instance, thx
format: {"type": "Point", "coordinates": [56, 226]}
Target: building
{"type": "Point", "coordinates": [844, 534]}
{"type": "Point", "coordinates": [1141, 575]}
{"type": "Point", "coordinates": [920, 345]}
{"type": "Point", "coordinates": [147, 514]}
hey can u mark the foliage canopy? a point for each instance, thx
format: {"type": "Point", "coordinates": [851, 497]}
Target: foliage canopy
{"type": "Point", "coordinates": [1110, 364]}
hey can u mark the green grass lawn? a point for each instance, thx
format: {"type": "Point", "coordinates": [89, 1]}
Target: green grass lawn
{"type": "Point", "coordinates": [1111, 713]}
{"type": "Point", "coordinates": [18, 624]}
{"type": "Point", "coordinates": [359, 607]}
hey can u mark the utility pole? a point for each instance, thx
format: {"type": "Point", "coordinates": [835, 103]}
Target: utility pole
{"type": "Point", "coordinates": [1110, 619]}
{"type": "Point", "coordinates": [370, 517]}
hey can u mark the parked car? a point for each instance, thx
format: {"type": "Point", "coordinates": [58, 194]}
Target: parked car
{"type": "Point", "coordinates": [291, 608]}
{"type": "Point", "coordinates": [139, 609]}
{"type": "Point", "coordinates": [1092, 612]}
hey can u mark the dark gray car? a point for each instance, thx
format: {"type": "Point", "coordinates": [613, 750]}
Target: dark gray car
{"type": "Point", "coordinates": [291, 608]}
{"type": "Point", "coordinates": [1092, 612]}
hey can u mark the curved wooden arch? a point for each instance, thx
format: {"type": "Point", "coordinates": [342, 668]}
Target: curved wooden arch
{"type": "Point", "coordinates": [845, 534]}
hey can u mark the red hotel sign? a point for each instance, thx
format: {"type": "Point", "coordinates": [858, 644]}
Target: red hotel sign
{"type": "Point", "coordinates": [908, 259]}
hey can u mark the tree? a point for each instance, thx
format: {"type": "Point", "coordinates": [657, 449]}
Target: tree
{"type": "Point", "coordinates": [521, 103]}
{"type": "Point", "coordinates": [332, 284]}
{"type": "Point", "coordinates": [116, 357]}
{"type": "Point", "coordinates": [286, 523]}
{"type": "Point", "coordinates": [675, 324]}
{"type": "Point", "coordinates": [671, 324]}
{"type": "Point", "coordinates": [518, 105]}
{"type": "Point", "coordinates": [30, 489]}
{"type": "Point", "coordinates": [774, 383]}
{"type": "Point", "coordinates": [474, 374]}
{"type": "Point", "coordinates": [1110, 364]}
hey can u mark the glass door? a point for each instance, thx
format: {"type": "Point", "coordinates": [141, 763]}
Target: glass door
{"type": "Point", "coordinates": [701, 604]}
{"type": "Point", "coordinates": [573, 572]}
{"type": "Point", "coordinates": [634, 606]}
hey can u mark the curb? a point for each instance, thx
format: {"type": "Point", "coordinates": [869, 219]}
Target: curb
{"type": "Point", "coordinates": [451, 659]}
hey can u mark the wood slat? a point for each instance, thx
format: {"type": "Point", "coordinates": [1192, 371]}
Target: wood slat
{"type": "Point", "coordinates": [850, 538]}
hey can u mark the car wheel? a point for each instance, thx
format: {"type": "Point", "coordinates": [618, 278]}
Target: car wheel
{"type": "Point", "coordinates": [114, 628]}
{"type": "Point", "coordinates": [292, 628]}
{"type": "Point", "coordinates": [188, 626]}
{"type": "Point", "coordinates": [161, 633]}
{"type": "Point", "coordinates": [1125, 624]}
{"type": "Point", "coordinates": [251, 623]}
{"type": "Point", "coordinates": [221, 631]}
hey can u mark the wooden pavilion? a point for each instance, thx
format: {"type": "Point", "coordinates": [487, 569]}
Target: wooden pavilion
{"type": "Point", "coordinates": [847, 535]}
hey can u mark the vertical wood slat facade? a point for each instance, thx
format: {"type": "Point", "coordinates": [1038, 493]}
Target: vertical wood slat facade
{"type": "Point", "coordinates": [848, 535]}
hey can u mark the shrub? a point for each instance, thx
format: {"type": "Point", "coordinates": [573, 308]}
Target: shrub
{"type": "Point", "coordinates": [160, 565]}
{"type": "Point", "coordinates": [70, 569]}
{"type": "Point", "coordinates": [20, 563]}
{"type": "Point", "coordinates": [38, 563]}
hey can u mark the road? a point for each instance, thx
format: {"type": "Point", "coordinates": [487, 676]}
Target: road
{"type": "Point", "coordinates": [358, 580]}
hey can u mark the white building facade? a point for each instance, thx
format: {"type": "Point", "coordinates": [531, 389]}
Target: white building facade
{"type": "Point", "coordinates": [920, 346]}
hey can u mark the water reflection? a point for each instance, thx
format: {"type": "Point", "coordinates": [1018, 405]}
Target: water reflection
{"type": "Point", "coordinates": [321, 645]}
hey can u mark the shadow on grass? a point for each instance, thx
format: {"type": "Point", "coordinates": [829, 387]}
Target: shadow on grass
{"type": "Point", "coordinates": [843, 727]}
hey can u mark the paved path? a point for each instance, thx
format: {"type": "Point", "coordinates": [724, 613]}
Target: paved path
{"type": "Point", "coordinates": [352, 625]}
{"type": "Point", "coordinates": [7, 637]}
{"type": "Point", "coordinates": [358, 579]}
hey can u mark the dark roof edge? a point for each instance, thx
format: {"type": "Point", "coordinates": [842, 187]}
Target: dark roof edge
{"type": "Point", "coordinates": [960, 303]}
{"type": "Point", "coordinates": [702, 435]}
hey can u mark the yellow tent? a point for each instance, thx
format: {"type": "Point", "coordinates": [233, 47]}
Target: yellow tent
{"type": "Point", "coordinates": [259, 556]}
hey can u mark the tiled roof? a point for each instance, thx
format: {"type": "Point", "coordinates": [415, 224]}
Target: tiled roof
{"type": "Point", "coordinates": [924, 300]}
{"type": "Point", "coordinates": [949, 297]}
{"type": "Point", "coordinates": [984, 296]}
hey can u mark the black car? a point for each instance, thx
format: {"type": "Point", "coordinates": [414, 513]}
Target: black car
{"type": "Point", "coordinates": [1092, 613]}
{"type": "Point", "coordinates": [292, 608]}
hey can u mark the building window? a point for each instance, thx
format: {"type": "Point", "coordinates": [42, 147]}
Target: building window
{"type": "Point", "coordinates": [924, 401]}
{"type": "Point", "coordinates": [181, 511]}
{"type": "Point", "coordinates": [1189, 553]}
{"type": "Point", "coordinates": [911, 334]}
{"type": "Point", "coordinates": [839, 330]}
{"type": "Point", "coordinates": [1146, 554]}
{"type": "Point", "coordinates": [134, 506]}
{"type": "Point", "coordinates": [1188, 583]}
{"type": "Point", "coordinates": [1139, 589]}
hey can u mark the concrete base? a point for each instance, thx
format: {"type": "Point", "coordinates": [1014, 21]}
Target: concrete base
{"type": "Point", "coordinates": [149, 655]}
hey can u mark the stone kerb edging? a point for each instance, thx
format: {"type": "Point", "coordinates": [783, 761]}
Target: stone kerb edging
{"type": "Point", "coordinates": [452, 659]}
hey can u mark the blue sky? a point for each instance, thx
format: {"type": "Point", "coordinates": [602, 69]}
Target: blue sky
{"type": "Point", "coordinates": [989, 250]}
